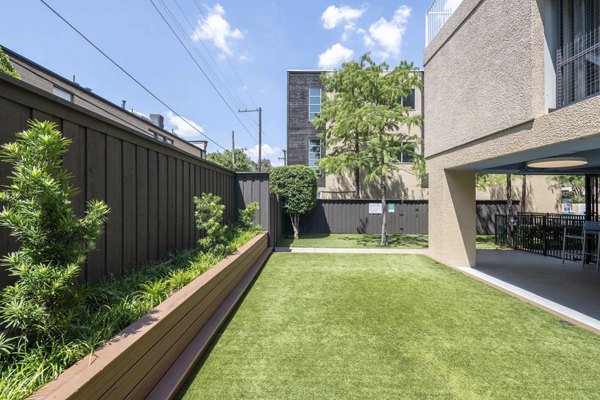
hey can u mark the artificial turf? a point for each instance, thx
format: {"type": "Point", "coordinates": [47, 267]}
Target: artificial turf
{"type": "Point", "coordinates": [398, 241]}
{"type": "Point", "coordinates": [355, 240]}
{"type": "Point", "coordinates": [318, 326]}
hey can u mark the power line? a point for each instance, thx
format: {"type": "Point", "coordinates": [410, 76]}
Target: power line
{"type": "Point", "coordinates": [127, 73]}
{"type": "Point", "coordinates": [199, 67]}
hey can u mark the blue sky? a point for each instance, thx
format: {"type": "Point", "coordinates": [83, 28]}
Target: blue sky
{"type": "Point", "coordinates": [245, 47]}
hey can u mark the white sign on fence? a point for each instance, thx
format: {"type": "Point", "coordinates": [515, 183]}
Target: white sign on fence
{"type": "Point", "coordinates": [375, 208]}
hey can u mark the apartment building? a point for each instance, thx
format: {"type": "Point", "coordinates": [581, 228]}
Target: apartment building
{"type": "Point", "coordinates": [150, 125]}
{"type": "Point", "coordinates": [304, 147]}
{"type": "Point", "coordinates": [512, 88]}
{"type": "Point", "coordinates": [305, 90]}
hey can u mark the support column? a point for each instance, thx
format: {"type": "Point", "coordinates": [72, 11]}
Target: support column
{"type": "Point", "coordinates": [452, 216]}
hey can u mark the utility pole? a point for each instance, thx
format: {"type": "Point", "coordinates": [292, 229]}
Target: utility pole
{"type": "Point", "coordinates": [233, 149]}
{"type": "Point", "coordinates": [259, 110]}
{"type": "Point", "coordinates": [284, 158]}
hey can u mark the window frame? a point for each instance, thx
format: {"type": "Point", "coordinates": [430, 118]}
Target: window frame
{"type": "Point", "coordinates": [401, 153]}
{"type": "Point", "coordinates": [309, 153]}
{"type": "Point", "coordinates": [68, 96]}
{"type": "Point", "coordinates": [312, 115]}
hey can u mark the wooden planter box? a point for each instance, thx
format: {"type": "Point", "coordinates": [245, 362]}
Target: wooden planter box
{"type": "Point", "coordinates": [152, 357]}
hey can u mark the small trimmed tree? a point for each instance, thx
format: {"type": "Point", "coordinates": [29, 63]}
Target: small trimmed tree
{"type": "Point", "coordinates": [53, 241]}
{"type": "Point", "coordinates": [296, 186]}
{"type": "Point", "coordinates": [362, 121]}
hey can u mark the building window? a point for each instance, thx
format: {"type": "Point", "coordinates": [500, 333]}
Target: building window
{"type": "Point", "coordinates": [62, 93]}
{"type": "Point", "coordinates": [578, 58]}
{"type": "Point", "coordinates": [169, 141]}
{"type": "Point", "coordinates": [409, 101]}
{"type": "Point", "coordinates": [314, 153]}
{"type": "Point", "coordinates": [151, 134]}
{"type": "Point", "coordinates": [160, 138]}
{"type": "Point", "coordinates": [314, 102]}
{"type": "Point", "coordinates": [407, 155]}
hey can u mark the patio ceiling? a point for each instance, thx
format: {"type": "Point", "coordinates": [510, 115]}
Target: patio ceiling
{"type": "Point", "coordinates": [588, 148]}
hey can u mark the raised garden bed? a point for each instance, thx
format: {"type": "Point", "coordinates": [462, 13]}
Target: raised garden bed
{"type": "Point", "coordinates": [152, 356]}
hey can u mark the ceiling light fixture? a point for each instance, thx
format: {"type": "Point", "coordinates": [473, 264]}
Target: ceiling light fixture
{"type": "Point", "coordinates": [557, 162]}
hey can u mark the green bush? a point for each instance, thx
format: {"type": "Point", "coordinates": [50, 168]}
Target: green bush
{"type": "Point", "coordinates": [106, 309]}
{"type": "Point", "coordinates": [246, 217]}
{"type": "Point", "coordinates": [53, 241]}
{"type": "Point", "coordinates": [209, 220]}
{"type": "Point", "coordinates": [6, 67]}
{"type": "Point", "coordinates": [296, 186]}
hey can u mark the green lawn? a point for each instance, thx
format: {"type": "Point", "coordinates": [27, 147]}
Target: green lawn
{"type": "Point", "coordinates": [338, 240]}
{"type": "Point", "coordinates": [318, 326]}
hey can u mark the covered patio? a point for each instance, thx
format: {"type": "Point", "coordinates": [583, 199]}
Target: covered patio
{"type": "Point", "coordinates": [566, 289]}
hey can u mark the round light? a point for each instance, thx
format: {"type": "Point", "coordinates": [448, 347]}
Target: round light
{"type": "Point", "coordinates": [558, 162]}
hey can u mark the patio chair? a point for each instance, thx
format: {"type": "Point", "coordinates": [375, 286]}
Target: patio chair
{"type": "Point", "coordinates": [591, 229]}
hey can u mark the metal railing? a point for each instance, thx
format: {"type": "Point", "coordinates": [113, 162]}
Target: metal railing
{"type": "Point", "coordinates": [437, 15]}
{"type": "Point", "coordinates": [543, 233]}
{"type": "Point", "coordinates": [578, 69]}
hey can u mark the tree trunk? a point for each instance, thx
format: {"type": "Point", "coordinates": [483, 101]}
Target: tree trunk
{"type": "Point", "coordinates": [295, 218]}
{"type": "Point", "coordinates": [356, 170]}
{"type": "Point", "coordinates": [509, 210]}
{"type": "Point", "coordinates": [384, 238]}
{"type": "Point", "coordinates": [524, 194]}
{"type": "Point", "coordinates": [357, 182]}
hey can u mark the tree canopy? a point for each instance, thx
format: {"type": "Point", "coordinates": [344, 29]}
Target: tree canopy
{"type": "Point", "coordinates": [365, 124]}
{"type": "Point", "coordinates": [243, 163]}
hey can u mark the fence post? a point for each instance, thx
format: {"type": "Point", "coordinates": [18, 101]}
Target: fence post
{"type": "Point", "coordinates": [544, 228]}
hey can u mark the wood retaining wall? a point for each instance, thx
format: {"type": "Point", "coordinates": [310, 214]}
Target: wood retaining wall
{"type": "Point", "coordinates": [152, 357]}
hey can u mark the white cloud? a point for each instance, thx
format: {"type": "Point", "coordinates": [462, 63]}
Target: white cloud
{"type": "Point", "coordinates": [334, 16]}
{"type": "Point", "coordinates": [272, 153]}
{"type": "Point", "coordinates": [216, 29]}
{"type": "Point", "coordinates": [183, 129]}
{"type": "Point", "coordinates": [334, 56]}
{"type": "Point", "coordinates": [387, 35]}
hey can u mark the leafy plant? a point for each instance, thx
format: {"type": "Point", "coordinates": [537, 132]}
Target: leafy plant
{"type": "Point", "coordinates": [209, 219]}
{"type": "Point", "coordinates": [6, 67]}
{"type": "Point", "coordinates": [362, 120]}
{"type": "Point", "coordinates": [296, 185]}
{"type": "Point", "coordinates": [243, 163]}
{"type": "Point", "coordinates": [246, 217]}
{"type": "Point", "coordinates": [53, 241]}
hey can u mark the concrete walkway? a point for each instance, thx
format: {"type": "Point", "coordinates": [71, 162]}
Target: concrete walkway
{"type": "Point", "coordinates": [349, 251]}
{"type": "Point", "coordinates": [563, 289]}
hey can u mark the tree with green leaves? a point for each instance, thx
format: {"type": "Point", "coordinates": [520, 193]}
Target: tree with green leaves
{"type": "Point", "coordinates": [575, 182]}
{"type": "Point", "coordinates": [6, 67]}
{"type": "Point", "coordinates": [53, 241]}
{"type": "Point", "coordinates": [296, 186]}
{"type": "Point", "coordinates": [365, 125]}
{"type": "Point", "coordinates": [243, 163]}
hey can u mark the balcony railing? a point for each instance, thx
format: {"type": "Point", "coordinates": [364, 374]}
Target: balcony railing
{"type": "Point", "coordinates": [437, 15]}
{"type": "Point", "coordinates": [578, 69]}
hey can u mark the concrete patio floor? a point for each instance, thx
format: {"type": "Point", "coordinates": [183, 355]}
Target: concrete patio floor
{"type": "Point", "coordinates": [565, 284]}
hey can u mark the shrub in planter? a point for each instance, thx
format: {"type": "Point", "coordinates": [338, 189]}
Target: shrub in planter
{"type": "Point", "coordinates": [209, 219]}
{"type": "Point", "coordinates": [296, 186]}
{"type": "Point", "coordinates": [53, 242]}
{"type": "Point", "coordinates": [246, 217]}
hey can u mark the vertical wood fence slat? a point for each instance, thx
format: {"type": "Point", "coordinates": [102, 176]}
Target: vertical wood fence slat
{"type": "Point", "coordinates": [148, 185]}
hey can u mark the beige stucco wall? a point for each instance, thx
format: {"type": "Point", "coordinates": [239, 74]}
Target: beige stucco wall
{"type": "Point", "coordinates": [403, 184]}
{"type": "Point", "coordinates": [483, 74]}
{"type": "Point", "coordinates": [541, 193]}
{"type": "Point", "coordinates": [486, 104]}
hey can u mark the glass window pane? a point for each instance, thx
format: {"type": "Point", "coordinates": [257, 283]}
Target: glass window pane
{"type": "Point", "coordinates": [314, 92]}
{"type": "Point", "coordinates": [315, 108]}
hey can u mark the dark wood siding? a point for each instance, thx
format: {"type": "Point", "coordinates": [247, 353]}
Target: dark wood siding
{"type": "Point", "coordinates": [148, 185]}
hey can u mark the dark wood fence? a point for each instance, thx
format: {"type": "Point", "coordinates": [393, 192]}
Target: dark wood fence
{"type": "Point", "coordinates": [254, 187]}
{"type": "Point", "coordinates": [148, 185]}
